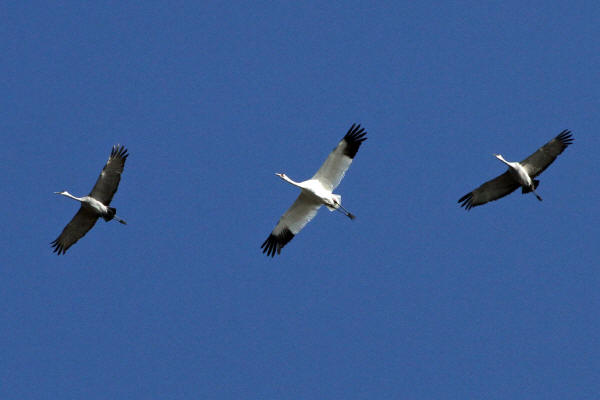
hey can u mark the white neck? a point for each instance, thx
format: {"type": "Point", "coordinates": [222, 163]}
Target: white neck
{"type": "Point", "coordinates": [499, 157]}
{"type": "Point", "coordinates": [288, 180]}
{"type": "Point", "coordinates": [69, 195]}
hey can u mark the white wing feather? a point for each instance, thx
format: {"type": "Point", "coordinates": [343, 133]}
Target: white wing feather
{"type": "Point", "coordinates": [298, 215]}
{"type": "Point", "coordinates": [291, 222]}
{"type": "Point", "coordinates": [337, 163]}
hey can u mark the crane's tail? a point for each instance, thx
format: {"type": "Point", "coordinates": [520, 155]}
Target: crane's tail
{"type": "Point", "coordinates": [112, 214]}
{"type": "Point", "coordinates": [525, 189]}
{"type": "Point", "coordinates": [337, 201]}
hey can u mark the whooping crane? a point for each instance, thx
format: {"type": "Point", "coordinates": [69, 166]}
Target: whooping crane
{"type": "Point", "coordinates": [95, 204]}
{"type": "Point", "coordinates": [518, 174]}
{"type": "Point", "coordinates": [316, 192]}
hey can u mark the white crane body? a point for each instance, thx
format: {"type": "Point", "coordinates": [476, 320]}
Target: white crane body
{"type": "Point", "coordinates": [315, 189]}
{"type": "Point", "coordinates": [520, 175]}
{"type": "Point", "coordinates": [517, 171]}
{"type": "Point", "coordinates": [316, 192]}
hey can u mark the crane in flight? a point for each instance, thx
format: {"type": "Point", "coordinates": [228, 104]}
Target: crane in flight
{"type": "Point", "coordinates": [316, 192]}
{"type": "Point", "coordinates": [519, 174]}
{"type": "Point", "coordinates": [96, 204]}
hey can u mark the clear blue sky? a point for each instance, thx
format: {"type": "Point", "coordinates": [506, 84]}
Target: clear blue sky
{"type": "Point", "coordinates": [415, 299]}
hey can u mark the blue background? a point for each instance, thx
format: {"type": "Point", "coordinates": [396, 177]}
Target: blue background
{"type": "Point", "coordinates": [415, 299]}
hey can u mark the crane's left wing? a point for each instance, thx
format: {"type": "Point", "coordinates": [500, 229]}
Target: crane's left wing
{"type": "Point", "coordinates": [108, 181]}
{"type": "Point", "coordinates": [492, 190]}
{"type": "Point", "coordinates": [337, 163]}
{"type": "Point", "coordinates": [536, 163]}
{"type": "Point", "coordinates": [295, 218]}
{"type": "Point", "coordinates": [81, 223]}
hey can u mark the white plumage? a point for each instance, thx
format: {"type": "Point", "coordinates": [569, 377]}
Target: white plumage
{"type": "Point", "coordinates": [316, 192]}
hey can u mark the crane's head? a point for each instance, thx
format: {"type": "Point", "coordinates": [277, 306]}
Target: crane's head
{"type": "Point", "coordinates": [64, 193]}
{"type": "Point", "coordinates": [498, 156]}
{"type": "Point", "coordinates": [281, 175]}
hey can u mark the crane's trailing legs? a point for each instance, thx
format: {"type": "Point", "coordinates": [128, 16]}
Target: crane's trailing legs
{"type": "Point", "coordinates": [534, 185]}
{"type": "Point", "coordinates": [343, 210]}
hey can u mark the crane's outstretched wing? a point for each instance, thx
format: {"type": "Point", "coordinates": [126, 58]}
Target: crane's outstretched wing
{"type": "Point", "coordinates": [81, 223]}
{"type": "Point", "coordinates": [536, 163]}
{"type": "Point", "coordinates": [295, 218]}
{"type": "Point", "coordinates": [108, 181]}
{"type": "Point", "coordinates": [492, 190]}
{"type": "Point", "coordinates": [337, 163]}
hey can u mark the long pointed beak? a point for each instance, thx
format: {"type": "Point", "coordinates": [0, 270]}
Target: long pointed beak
{"type": "Point", "coordinates": [56, 192]}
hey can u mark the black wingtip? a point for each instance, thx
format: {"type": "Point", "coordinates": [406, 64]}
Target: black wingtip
{"type": "Point", "coordinates": [275, 243]}
{"type": "Point", "coordinates": [565, 137]}
{"type": "Point", "coordinates": [119, 151]}
{"type": "Point", "coordinates": [467, 201]}
{"type": "Point", "coordinates": [354, 138]}
{"type": "Point", "coordinates": [58, 248]}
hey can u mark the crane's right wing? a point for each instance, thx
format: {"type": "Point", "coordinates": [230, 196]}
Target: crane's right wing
{"type": "Point", "coordinates": [295, 218]}
{"type": "Point", "coordinates": [492, 190]}
{"type": "Point", "coordinates": [108, 181]}
{"type": "Point", "coordinates": [536, 163]}
{"type": "Point", "coordinates": [81, 223]}
{"type": "Point", "coordinates": [337, 163]}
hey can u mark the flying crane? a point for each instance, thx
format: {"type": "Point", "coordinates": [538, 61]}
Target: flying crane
{"type": "Point", "coordinates": [519, 174]}
{"type": "Point", "coordinates": [316, 192]}
{"type": "Point", "coordinates": [96, 204]}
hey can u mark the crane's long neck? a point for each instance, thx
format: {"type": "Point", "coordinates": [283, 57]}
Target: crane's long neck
{"type": "Point", "coordinates": [69, 195]}
{"type": "Point", "coordinates": [499, 157]}
{"type": "Point", "coordinates": [288, 180]}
